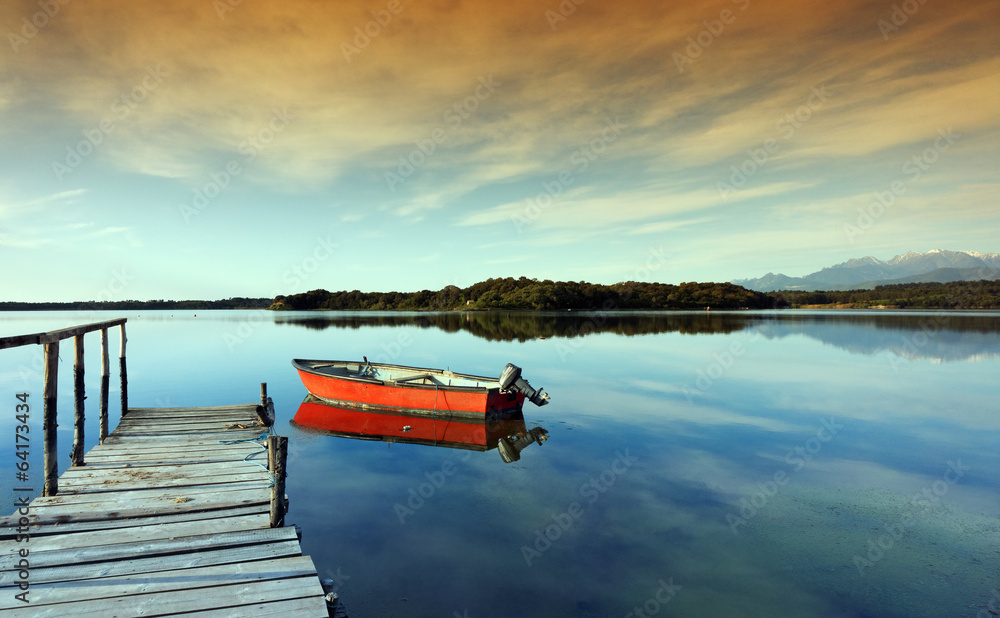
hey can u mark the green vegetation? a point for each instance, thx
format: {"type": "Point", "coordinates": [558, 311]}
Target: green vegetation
{"type": "Point", "coordinates": [525, 294]}
{"type": "Point", "coordinates": [983, 294]}
{"type": "Point", "coordinates": [535, 295]}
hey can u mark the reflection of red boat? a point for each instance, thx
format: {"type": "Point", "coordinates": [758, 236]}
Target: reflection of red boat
{"type": "Point", "coordinates": [507, 431]}
{"type": "Point", "coordinates": [416, 390]}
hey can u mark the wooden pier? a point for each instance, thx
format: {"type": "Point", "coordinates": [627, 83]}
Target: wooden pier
{"type": "Point", "coordinates": [177, 511]}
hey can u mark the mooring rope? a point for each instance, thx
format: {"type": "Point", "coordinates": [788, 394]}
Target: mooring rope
{"type": "Point", "coordinates": [262, 436]}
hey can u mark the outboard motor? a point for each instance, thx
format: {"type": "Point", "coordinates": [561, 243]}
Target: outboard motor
{"type": "Point", "coordinates": [511, 381]}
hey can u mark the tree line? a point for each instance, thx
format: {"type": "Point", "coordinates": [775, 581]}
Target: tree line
{"type": "Point", "coordinates": [984, 294]}
{"type": "Point", "coordinates": [536, 295]}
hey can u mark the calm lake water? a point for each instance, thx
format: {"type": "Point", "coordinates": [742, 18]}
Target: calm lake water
{"type": "Point", "coordinates": [740, 464]}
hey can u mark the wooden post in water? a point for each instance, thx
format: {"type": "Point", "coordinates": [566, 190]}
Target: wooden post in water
{"type": "Point", "coordinates": [49, 417]}
{"type": "Point", "coordinates": [105, 383]}
{"type": "Point", "coordinates": [263, 393]}
{"type": "Point", "coordinates": [78, 408]}
{"type": "Point", "coordinates": [277, 453]}
{"type": "Point", "coordinates": [124, 373]}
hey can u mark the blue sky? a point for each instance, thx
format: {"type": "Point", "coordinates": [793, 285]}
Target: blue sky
{"type": "Point", "coordinates": [208, 150]}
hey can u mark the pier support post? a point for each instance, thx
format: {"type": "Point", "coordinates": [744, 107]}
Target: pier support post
{"type": "Point", "coordinates": [124, 373]}
{"type": "Point", "coordinates": [105, 384]}
{"type": "Point", "coordinates": [265, 411]}
{"type": "Point", "coordinates": [78, 407]}
{"type": "Point", "coordinates": [49, 417]}
{"type": "Point", "coordinates": [277, 453]}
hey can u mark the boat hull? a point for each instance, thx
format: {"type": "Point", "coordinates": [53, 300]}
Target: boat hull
{"type": "Point", "coordinates": [392, 388]}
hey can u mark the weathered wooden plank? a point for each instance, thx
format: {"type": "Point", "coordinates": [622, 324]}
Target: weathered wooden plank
{"type": "Point", "coordinates": [234, 596]}
{"type": "Point", "coordinates": [89, 474]}
{"type": "Point", "coordinates": [164, 506]}
{"type": "Point", "coordinates": [217, 424]}
{"type": "Point", "coordinates": [46, 525]}
{"type": "Point", "coordinates": [149, 493]}
{"type": "Point", "coordinates": [147, 533]}
{"type": "Point", "coordinates": [307, 606]}
{"type": "Point", "coordinates": [246, 553]}
{"type": "Point", "coordinates": [167, 581]}
{"type": "Point", "coordinates": [93, 486]}
{"type": "Point", "coordinates": [193, 410]}
{"type": "Point", "coordinates": [220, 453]}
{"type": "Point", "coordinates": [119, 551]}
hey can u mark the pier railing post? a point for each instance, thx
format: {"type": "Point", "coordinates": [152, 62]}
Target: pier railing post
{"type": "Point", "coordinates": [49, 417]}
{"type": "Point", "coordinates": [78, 408]}
{"type": "Point", "coordinates": [105, 383]}
{"type": "Point", "coordinates": [124, 373]}
{"type": "Point", "coordinates": [277, 454]}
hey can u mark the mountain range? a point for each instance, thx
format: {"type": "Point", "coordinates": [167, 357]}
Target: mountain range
{"type": "Point", "coordinates": [867, 272]}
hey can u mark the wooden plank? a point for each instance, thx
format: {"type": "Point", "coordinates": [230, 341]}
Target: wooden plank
{"type": "Point", "coordinates": [119, 551]}
{"type": "Point", "coordinates": [247, 553]}
{"type": "Point", "coordinates": [309, 606]}
{"type": "Point", "coordinates": [233, 596]}
{"type": "Point", "coordinates": [95, 511]}
{"type": "Point", "coordinates": [42, 525]}
{"type": "Point", "coordinates": [92, 486]}
{"type": "Point", "coordinates": [147, 533]}
{"type": "Point", "coordinates": [165, 581]}
{"type": "Point", "coordinates": [252, 407]}
{"type": "Point", "coordinates": [89, 474]}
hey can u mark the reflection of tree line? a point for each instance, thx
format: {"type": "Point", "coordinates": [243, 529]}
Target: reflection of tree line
{"type": "Point", "coordinates": [522, 326]}
{"type": "Point", "coordinates": [944, 336]}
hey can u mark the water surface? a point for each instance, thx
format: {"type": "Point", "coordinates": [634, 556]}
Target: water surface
{"type": "Point", "coordinates": [752, 464]}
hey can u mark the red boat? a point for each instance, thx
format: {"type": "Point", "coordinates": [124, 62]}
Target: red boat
{"type": "Point", "coordinates": [436, 392]}
{"type": "Point", "coordinates": [507, 432]}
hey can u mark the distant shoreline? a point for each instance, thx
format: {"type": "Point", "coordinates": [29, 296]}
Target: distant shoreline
{"type": "Point", "coordinates": [533, 295]}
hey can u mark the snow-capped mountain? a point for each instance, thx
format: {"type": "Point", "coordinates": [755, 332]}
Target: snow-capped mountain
{"type": "Point", "coordinates": [867, 272]}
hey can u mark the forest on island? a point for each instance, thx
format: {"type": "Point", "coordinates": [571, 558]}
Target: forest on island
{"type": "Point", "coordinates": [535, 295]}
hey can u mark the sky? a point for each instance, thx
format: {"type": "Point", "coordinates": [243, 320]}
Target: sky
{"type": "Point", "coordinates": [218, 148]}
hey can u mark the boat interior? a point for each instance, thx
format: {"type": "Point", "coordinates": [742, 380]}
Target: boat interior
{"type": "Point", "coordinates": [401, 375]}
